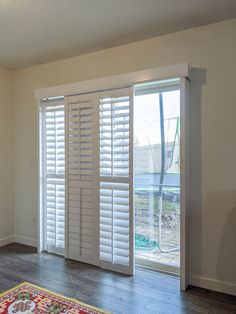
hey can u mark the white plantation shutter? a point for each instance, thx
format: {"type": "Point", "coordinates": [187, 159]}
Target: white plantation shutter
{"type": "Point", "coordinates": [53, 174]}
{"type": "Point", "coordinates": [82, 167]}
{"type": "Point", "coordinates": [116, 180]}
{"type": "Point", "coordinates": [89, 171]}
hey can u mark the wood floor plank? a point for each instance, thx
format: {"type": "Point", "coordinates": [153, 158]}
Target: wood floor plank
{"type": "Point", "coordinates": [146, 292]}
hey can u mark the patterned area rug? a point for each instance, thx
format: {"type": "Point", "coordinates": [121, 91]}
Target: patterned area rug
{"type": "Point", "coordinates": [28, 299]}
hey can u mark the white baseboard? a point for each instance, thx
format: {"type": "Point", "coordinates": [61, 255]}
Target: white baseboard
{"type": "Point", "coordinates": [6, 240]}
{"type": "Point", "coordinates": [25, 240]}
{"type": "Point", "coordinates": [213, 284]}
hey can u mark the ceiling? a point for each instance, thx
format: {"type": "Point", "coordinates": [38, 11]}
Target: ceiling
{"type": "Point", "coordinates": [37, 31]}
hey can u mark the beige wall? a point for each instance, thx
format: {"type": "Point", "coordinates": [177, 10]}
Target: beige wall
{"type": "Point", "coordinates": [211, 52]}
{"type": "Point", "coordinates": [6, 157]}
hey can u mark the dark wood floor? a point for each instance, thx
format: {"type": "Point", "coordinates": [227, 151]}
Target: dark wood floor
{"type": "Point", "coordinates": [146, 292]}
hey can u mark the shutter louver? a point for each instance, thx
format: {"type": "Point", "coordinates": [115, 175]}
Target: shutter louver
{"type": "Point", "coordinates": [82, 172]}
{"type": "Point", "coordinates": [116, 180]}
{"type": "Point", "coordinates": [53, 129]}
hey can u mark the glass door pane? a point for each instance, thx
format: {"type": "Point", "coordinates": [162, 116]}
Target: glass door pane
{"type": "Point", "coordinates": [157, 173]}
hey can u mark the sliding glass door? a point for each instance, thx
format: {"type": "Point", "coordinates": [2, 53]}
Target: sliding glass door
{"type": "Point", "coordinates": [157, 174]}
{"type": "Point", "coordinates": [110, 179]}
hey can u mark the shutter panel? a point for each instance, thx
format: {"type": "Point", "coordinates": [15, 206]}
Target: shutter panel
{"type": "Point", "coordinates": [82, 166]}
{"type": "Point", "coordinates": [116, 180]}
{"type": "Point", "coordinates": [53, 164]}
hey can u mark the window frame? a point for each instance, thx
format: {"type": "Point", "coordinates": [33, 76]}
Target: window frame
{"type": "Point", "coordinates": [182, 71]}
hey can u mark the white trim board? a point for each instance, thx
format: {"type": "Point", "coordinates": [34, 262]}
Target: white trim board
{"type": "Point", "coordinates": [25, 240]}
{"type": "Point", "coordinates": [18, 239]}
{"type": "Point", "coordinates": [7, 240]}
{"type": "Point", "coordinates": [180, 70]}
{"type": "Point", "coordinates": [212, 284]}
{"type": "Point", "coordinates": [184, 178]}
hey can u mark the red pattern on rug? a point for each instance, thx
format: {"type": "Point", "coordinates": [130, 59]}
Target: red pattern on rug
{"type": "Point", "coordinates": [27, 298]}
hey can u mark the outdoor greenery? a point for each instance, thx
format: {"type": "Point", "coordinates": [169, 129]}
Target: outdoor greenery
{"type": "Point", "coordinates": [142, 201]}
{"type": "Point", "coordinates": [147, 208]}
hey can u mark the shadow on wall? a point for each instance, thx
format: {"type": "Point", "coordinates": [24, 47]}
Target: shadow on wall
{"type": "Point", "coordinates": [198, 79]}
{"type": "Point", "coordinates": [226, 261]}
{"type": "Point", "coordinates": [219, 204]}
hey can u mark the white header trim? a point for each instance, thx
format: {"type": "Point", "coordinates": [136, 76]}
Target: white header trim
{"type": "Point", "coordinates": [117, 81]}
